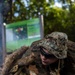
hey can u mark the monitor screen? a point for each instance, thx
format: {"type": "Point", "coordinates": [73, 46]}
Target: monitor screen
{"type": "Point", "coordinates": [22, 33]}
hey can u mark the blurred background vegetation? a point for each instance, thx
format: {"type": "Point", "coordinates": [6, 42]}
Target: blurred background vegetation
{"type": "Point", "coordinates": [60, 17]}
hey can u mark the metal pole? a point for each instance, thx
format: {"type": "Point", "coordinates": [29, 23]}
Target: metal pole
{"type": "Point", "coordinates": [2, 38]}
{"type": "Point", "coordinates": [41, 26]}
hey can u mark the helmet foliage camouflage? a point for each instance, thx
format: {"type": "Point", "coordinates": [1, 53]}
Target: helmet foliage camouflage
{"type": "Point", "coordinates": [56, 44]}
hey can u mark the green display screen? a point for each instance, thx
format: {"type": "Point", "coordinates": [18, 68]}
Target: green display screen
{"type": "Point", "coordinates": [22, 33]}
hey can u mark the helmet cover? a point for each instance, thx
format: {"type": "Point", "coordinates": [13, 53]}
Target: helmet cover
{"type": "Point", "coordinates": [56, 44]}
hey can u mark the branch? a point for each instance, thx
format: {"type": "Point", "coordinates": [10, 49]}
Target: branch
{"type": "Point", "coordinates": [12, 58]}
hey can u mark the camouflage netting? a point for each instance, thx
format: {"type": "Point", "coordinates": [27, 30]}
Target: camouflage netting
{"type": "Point", "coordinates": [17, 62]}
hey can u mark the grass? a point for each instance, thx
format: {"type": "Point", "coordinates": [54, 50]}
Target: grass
{"type": "Point", "coordinates": [13, 45]}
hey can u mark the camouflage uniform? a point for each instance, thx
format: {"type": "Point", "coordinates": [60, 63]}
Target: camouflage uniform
{"type": "Point", "coordinates": [56, 44]}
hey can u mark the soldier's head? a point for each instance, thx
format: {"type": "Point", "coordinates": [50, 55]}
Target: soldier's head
{"type": "Point", "coordinates": [53, 47]}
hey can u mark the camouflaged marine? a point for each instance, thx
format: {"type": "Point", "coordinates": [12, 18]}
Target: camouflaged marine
{"type": "Point", "coordinates": [51, 57]}
{"type": "Point", "coordinates": [56, 46]}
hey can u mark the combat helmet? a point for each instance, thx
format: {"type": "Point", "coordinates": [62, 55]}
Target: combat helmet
{"type": "Point", "coordinates": [56, 44]}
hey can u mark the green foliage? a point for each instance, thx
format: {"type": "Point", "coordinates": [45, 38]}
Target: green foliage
{"type": "Point", "coordinates": [55, 19]}
{"type": "Point", "coordinates": [70, 23]}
